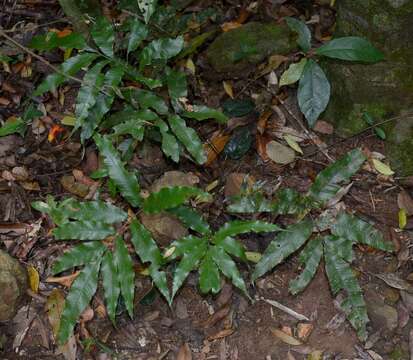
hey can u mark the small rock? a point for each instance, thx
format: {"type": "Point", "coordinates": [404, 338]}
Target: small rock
{"type": "Point", "coordinates": [235, 181]}
{"type": "Point", "coordinates": [13, 283]}
{"type": "Point", "coordinates": [175, 178]}
{"type": "Point", "coordinates": [381, 314]}
{"type": "Point", "coordinates": [280, 153]}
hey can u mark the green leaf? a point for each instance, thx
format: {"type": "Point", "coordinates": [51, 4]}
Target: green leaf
{"type": "Point", "coordinates": [124, 180]}
{"type": "Point", "coordinates": [124, 265]}
{"type": "Point", "coordinates": [148, 251]}
{"type": "Point", "coordinates": [103, 35]}
{"type": "Point", "coordinates": [188, 137]}
{"type": "Point", "coordinates": [129, 114]}
{"type": "Point", "coordinates": [111, 284]}
{"type": "Point", "coordinates": [70, 67]}
{"type": "Point", "coordinates": [209, 279]}
{"type": "Point", "coordinates": [86, 97]}
{"type": "Point", "coordinates": [195, 43]}
{"type": "Point", "coordinates": [170, 197]}
{"type": "Point", "coordinates": [313, 92]}
{"type": "Point", "coordinates": [195, 249]}
{"type": "Point", "coordinates": [228, 267]}
{"type": "Point", "coordinates": [191, 219]}
{"type": "Point", "coordinates": [239, 143]}
{"type": "Point", "coordinates": [170, 146]}
{"type": "Point", "coordinates": [160, 49]}
{"type": "Point", "coordinates": [250, 204]}
{"type": "Point", "coordinates": [341, 277]}
{"type": "Point", "coordinates": [202, 112]}
{"type": "Point", "coordinates": [234, 228]}
{"type": "Point", "coordinates": [293, 73]}
{"type": "Point", "coordinates": [135, 128]}
{"type": "Point", "coordinates": [51, 40]}
{"type": "Point", "coordinates": [304, 33]}
{"type": "Point", "coordinates": [310, 257]}
{"type": "Point", "coordinates": [14, 125]}
{"type": "Point", "coordinates": [83, 230]}
{"type": "Point", "coordinates": [147, 7]}
{"type": "Point", "coordinates": [290, 202]}
{"type": "Point", "coordinates": [358, 231]}
{"type": "Point", "coordinates": [146, 99]}
{"type": "Point", "coordinates": [104, 102]}
{"type": "Point", "coordinates": [232, 247]}
{"type": "Point", "coordinates": [380, 133]}
{"type": "Point", "coordinates": [327, 182]}
{"type": "Point", "coordinates": [238, 108]}
{"type": "Point", "coordinates": [138, 33]}
{"type": "Point", "coordinates": [81, 254]}
{"type": "Point", "coordinates": [80, 294]}
{"type": "Point", "coordinates": [351, 48]}
{"type": "Point", "coordinates": [283, 246]}
{"type": "Point", "coordinates": [177, 85]}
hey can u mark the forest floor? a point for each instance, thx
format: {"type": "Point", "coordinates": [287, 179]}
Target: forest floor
{"type": "Point", "coordinates": [226, 326]}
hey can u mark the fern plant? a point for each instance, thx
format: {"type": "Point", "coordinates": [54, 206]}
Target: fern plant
{"type": "Point", "coordinates": [130, 52]}
{"type": "Point", "coordinates": [336, 248]}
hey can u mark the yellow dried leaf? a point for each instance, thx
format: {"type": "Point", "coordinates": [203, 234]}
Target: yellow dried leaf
{"type": "Point", "coordinates": [402, 218]}
{"type": "Point", "coordinates": [285, 337]}
{"type": "Point", "coordinates": [68, 120]}
{"type": "Point", "coordinates": [382, 168]}
{"type": "Point", "coordinates": [34, 278]}
{"type": "Point", "coordinates": [228, 89]}
{"type": "Point", "coordinates": [253, 256]}
{"type": "Point", "coordinates": [190, 66]}
{"type": "Point", "coordinates": [67, 54]}
{"type": "Point", "coordinates": [292, 143]}
{"type": "Point", "coordinates": [54, 308]}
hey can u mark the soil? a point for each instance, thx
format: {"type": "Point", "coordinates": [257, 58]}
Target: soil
{"type": "Point", "coordinates": [226, 326]}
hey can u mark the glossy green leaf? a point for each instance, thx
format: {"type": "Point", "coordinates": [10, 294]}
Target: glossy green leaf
{"type": "Point", "coordinates": [293, 73]}
{"type": "Point", "coordinates": [83, 230]}
{"type": "Point", "coordinates": [238, 108]}
{"type": "Point", "coordinates": [327, 182]}
{"type": "Point", "coordinates": [239, 143]}
{"type": "Point", "coordinates": [228, 267]}
{"type": "Point", "coordinates": [195, 43]}
{"type": "Point", "coordinates": [104, 102]}
{"type": "Point", "coordinates": [103, 35]}
{"type": "Point", "coordinates": [148, 251]}
{"type": "Point", "coordinates": [147, 7]}
{"type": "Point", "coordinates": [170, 146]}
{"type": "Point", "coordinates": [195, 249]}
{"type": "Point", "coordinates": [70, 67]}
{"type": "Point", "coordinates": [129, 114]}
{"type": "Point", "coordinates": [170, 197]}
{"type": "Point", "coordinates": [233, 247]}
{"type": "Point", "coordinates": [304, 33]}
{"type": "Point", "coordinates": [146, 99]}
{"type": "Point", "coordinates": [313, 92]}
{"type": "Point", "coordinates": [282, 246]}
{"type": "Point", "coordinates": [88, 92]}
{"type": "Point", "coordinates": [252, 203]}
{"type": "Point", "coordinates": [380, 133]}
{"type": "Point", "coordinates": [202, 112]}
{"type": "Point", "coordinates": [111, 284]}
{"type": "Point", "coordinates": [160, 49]}
{"type": "Point", "coordinates": [290, 202]}
{"type": "Point", "coordinates": [52, 40]}
{"type": "Point", "coordinates": [188, 137]}
{"type": "Point", "coordinates": [191, 219]}
{"type": "Point", "coordinates": [81, 254]}
{"type": "Point", "coordinates": [135, 128]}
{"type": "Point", "coordinates": [124, 180]}
{"type": "Point", "coordinates": [341, 277]}
{"type": "Point", "coordinates": [209, 279]}
{"type": "Point", "coordinates": [358, 231]}
{"type": "Point", "coordinates": [14, 125]}
{"type": "Point", "coordinates": [126, 274]}
{"type": "Point", "coordinates": [138, 33]}
{"type": "Point", "coordinates": [237, 227]}
{"type": "Point", "coordinates": [135, 75]}
{"type": "Point", "coordinates": [310, 258]}
{"type": "Point", "coordinates": [177, 85]}
{"type": "Point", "coordinates": [79, 297]}
{"type": "Point", "coordinates": [351, 48]}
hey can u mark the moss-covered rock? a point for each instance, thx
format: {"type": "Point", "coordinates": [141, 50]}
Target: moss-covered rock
{"type": "Point", "coordinates": [234, 52]}
{"type": "Point", "coordinates": [384, 89]}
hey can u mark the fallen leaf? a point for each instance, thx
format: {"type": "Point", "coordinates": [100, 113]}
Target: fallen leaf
{"type": "Point", "coordinates": [235, 182]}
{"type": "Point", "coordinates": [184, 353]}
{"type": "Point", "coordinates": [293, 144]}
{"type": "Point", "coordinates": [221, 334]}
{"type": "Point", "coordinates": [70, 184]}
{"type": "Point", "coordinates": [402, 219]}
{"type": "Point", "coordinates": [63, 280]}
{"type": "Point", "coordinates": [175, 178]}
{"type": "Point", "coordinates": [274, 63]}
{"type": "Point", "coordinates": [405, 201]}
{"type": "Point", "coordinates": [34, 278]}
{"type": "Point", "coordinates": [216, 317]}
{"type": "Point", "coordinates": [214, 147]}
{"type": "Point", "coordinates": [261, 145]}
{"type": "Point", "coordinates": [285, 337]}
{"type": "Point", "coordinates": [262, 121]}
{"type": "Point", "coordinates": [228, 89]}
{"type": "Point", "coordinates": [54, 308]}
{"type": "Point", "coordinates": [304, 330]}
{"type": "Point", "coordinates": [293, 73]}
{"type": "Point", "coordinates": [230, 25]}
{"type": "Point", "coordinates": [323, 127]}
{"type": "Point", "coordinates": [315, 355]}
{"type": "Point", "coordinates": [395, 281]}
{"type": "Point", "coordinates": [190, 66]}
{"type": "Point", "coordinates": [253, 256]}
{"type": "Point", "coordinates": [279, 153]}
{"type": "Point", "coordinates": [82, 178]}
{"type": "Point", "coordinates": [30, 185]}
{"type": "Point", "coordinates": [382, 168]}
{"type": "Point", "coordinates": [68, 120]}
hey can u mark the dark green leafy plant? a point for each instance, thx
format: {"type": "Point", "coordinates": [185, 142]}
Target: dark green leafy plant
{"type": "Point", "coordinates": [314, 87]}
{"type": "Point", "coordinates": [141, 56]}
{"type": "Point", "coordinates": [335, 248]}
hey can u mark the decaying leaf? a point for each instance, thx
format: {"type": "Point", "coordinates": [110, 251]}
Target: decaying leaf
{"type": "Point", "coordinates": [279, 153]}
{"type": "Point", "coordinates": [34, 279]}
{"type": "Point", "coordinates": [288, 339]}
{"type": "Point", "coordinates": [382, 168]}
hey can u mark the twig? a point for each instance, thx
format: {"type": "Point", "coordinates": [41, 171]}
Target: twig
{"type": "Point", "coordinates": [286, 309]}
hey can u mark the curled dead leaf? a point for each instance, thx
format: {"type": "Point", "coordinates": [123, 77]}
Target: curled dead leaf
{"type": "Point", "coordinates": [184, 353]}
{"type": "Point", "coordinates": [63, 280]}
{"type": "Point", "coordinates": [214, 147]}
{"type": "Point", "coordinates": [285, 337]}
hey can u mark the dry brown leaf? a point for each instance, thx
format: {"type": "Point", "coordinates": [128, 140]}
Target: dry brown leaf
{"type": "Point", "coordinates": [63, 280]}
{"type": "Point", "coordinates": [70, 184]}
{"type": "Point", "coordinates": [230, 25]}
{"type": "Point", "coordinates": [221, 334]}
{"type": "Point", "coordinates": [405, 201]}
{"type": "Point", "coordinates": [235, 181]}
{"type": "Point", "coordinates": [184, 353]}
{"type": "Point", "coordinates": [214, 147]}
{"type": "Point", "coordinates": [262, 121]}
{"type": "Point", "coordinates": [30, 185]}
{"type": "Point", "coordinates": [175, 178]}
{"type": "Point", "coordinates": [274, 63]}
{"type": "Point", "coordinates": [228, 89]}
{"type": "Point", "coordinates": [20, 173]}
{"type": "Point", "coordinates": [323, 127]}
{"type": "Point", "coordinates": [82, 178]}
{"type": "Point", "coordinates": [304, 330]}
{"type": "Point", "coordinates": [280, 153]}
{"type": "Point", "coordinates": [216, 317]}
{"type": "Point", "coordinates": [261, 145]}
{"type": "Point", "coordinates": [285, 337]}
{"type": "Point", "coordinates": [4, 101]}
